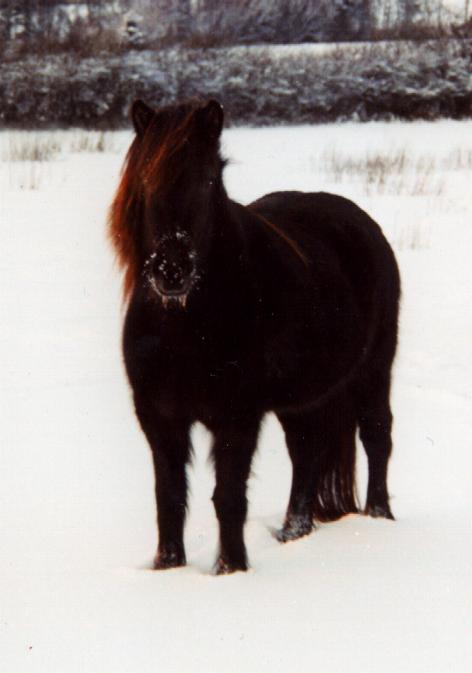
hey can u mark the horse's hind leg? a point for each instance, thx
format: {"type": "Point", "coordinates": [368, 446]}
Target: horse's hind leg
{"type": "Point", "coordinates": [322, 449]}
{"type": "Point", "coordinates": [375, 425]}
{"type": "Point", "coordinates": [301, 432]}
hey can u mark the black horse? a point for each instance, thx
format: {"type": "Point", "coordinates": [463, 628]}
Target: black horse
{"type": "Point", "coordinates": [287, 305]}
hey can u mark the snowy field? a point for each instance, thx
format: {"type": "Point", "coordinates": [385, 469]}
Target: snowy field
{"type": "Point", "coordinates": [76, 497]}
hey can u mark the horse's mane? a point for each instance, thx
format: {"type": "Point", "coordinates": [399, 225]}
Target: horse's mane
{"type": "Point", "coordinates": [153, 163]}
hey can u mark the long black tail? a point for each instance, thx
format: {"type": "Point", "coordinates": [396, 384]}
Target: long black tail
{"type": "Point", "coordinates": [335, 477]}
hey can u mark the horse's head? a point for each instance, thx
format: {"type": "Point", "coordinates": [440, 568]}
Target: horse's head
{"type": "Point", "coordinates": [176, 174]}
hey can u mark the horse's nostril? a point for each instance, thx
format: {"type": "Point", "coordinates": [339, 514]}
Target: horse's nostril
{"type": "Point", "coordinates": [171, 284]}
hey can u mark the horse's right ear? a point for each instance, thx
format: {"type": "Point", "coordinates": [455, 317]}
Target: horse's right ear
{"type": "Point", "coordinates": [211, 118]}
{"type": "Point", "coordinates": [142, 115]}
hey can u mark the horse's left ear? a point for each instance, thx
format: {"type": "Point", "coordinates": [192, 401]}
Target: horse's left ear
{"type": "Point", "coordinates": [211, 118]}
{"type": "Point", "coordinates": [142, 115]}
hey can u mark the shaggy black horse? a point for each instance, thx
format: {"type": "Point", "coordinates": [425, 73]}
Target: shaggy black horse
{"type": "Point", "coordinates": [287, 305]}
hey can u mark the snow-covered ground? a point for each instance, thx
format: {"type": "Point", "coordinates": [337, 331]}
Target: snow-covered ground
{"type": "Point", "coordinates": [76, 499]}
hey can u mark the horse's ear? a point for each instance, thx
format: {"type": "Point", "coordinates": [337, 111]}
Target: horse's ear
{"type": "Point", "coordinates": [142, 115]}
{"type": "Point", "coordinates": [211, 118]}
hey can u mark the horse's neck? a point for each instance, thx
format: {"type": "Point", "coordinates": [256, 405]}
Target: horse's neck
{"type": "Point", "coordinates": [228, 248]}
{"type": "Point", "coordinates": [244, 262]}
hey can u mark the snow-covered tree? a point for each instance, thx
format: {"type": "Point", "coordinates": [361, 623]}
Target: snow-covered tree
{"type": "Point", "coordinates": [249, 21]}
{"type": "Point", "coordinates": [352, 20]}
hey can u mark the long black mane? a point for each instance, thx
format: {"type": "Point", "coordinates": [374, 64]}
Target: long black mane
{"type": "Point", "coordinates": [289, 304]}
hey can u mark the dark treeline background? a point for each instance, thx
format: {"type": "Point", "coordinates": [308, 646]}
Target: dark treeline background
{"type": "Point", "coordinates": [93, 27]}
{"type": "Point", "coordinates": [65, 62]}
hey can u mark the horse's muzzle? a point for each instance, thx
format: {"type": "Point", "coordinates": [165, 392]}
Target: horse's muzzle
{"type": "Point", "coordinates": [172, 295]}
{"type": "Point", "coordinates": [171, 280]}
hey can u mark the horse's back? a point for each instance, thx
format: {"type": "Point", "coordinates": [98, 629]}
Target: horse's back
{"type": "Point", "coordinates": [335, 230]}
{"type": "Point", "coordinates": [318, 216]}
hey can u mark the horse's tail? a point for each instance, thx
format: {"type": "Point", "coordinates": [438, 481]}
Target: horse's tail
{"type": "Point", "coordinates": [335, 479]}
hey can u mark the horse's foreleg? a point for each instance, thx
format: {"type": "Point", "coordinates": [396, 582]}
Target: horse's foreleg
{"type": "Point", "coordinates": [170, 446]}
{"type": "Point", "coordinates": [232, 452]}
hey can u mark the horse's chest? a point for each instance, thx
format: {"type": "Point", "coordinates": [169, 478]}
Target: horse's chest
{"type": "Point", "coordinates": [204, 374]}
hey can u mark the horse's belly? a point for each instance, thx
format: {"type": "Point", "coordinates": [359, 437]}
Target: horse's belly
{"type": "Point", "coordinates": [301, 375]}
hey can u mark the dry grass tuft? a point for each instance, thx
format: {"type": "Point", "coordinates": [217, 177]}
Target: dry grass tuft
{"type": "Point", "coordinates": [23, 146]}
{"type": "Point", "coordinates": [395, 173]}
{"type": "Point", "coordinates": [458, 160]}
{"type": "Point", "coordinates": [91, 142]}
{"type": "Point", "coordinates": [26, 146]}
{"type": "Point", "coordinates": [27, 153]}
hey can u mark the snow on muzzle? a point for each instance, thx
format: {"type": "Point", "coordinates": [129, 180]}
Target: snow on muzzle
{"type": "Point", "coordinates": [170, 270]}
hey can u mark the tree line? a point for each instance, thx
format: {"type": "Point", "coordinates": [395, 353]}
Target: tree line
{"type": "Point", "coordinates": [92, 26]}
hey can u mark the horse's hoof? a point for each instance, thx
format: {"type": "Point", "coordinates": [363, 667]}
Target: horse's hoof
{"type": "Point", "coordinates": [169, 559]}
{"type": "Point", "coordinates": [379, 512]}
{"type": "Point", "coordinates": [225, 567]}
{"type": "Point", "coordinates": [294, 528]}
